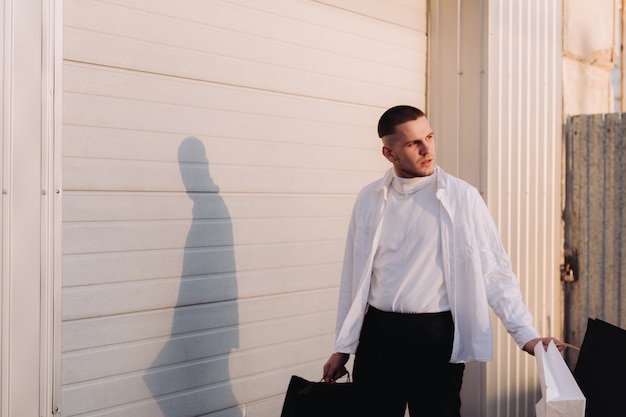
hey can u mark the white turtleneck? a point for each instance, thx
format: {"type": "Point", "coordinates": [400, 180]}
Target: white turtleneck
{"type": "Point", "coordinates": [407, 276]}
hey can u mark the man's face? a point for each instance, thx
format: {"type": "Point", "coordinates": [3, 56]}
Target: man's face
{"type": "Point", "coordinates": [411, 149]}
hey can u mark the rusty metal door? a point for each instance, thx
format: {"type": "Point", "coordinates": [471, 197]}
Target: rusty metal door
{"type": "Point", "coordinates": [593, 274]}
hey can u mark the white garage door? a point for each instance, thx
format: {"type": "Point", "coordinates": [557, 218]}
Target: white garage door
{"type": "Point", "coordinates": [212, 152]}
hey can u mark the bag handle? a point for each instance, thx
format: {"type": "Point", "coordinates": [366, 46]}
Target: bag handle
{"type": "Point", "coordinates": [567, 345]}
{"type": "Point", "coordinates": [347, 375]}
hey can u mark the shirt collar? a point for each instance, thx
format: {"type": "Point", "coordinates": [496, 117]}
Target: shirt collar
{"type": "Point", "coordinates": [388, 177]}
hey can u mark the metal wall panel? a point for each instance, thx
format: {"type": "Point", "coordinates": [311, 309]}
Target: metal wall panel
{"type": "Point", "coordinates": [455, 109]}
{"type": "Point", "coordinates": [456, 86]}
{"type": "Point", "coordinates": [522, 179]}
{"type": "Point", "coordinates": [494, 100]}
{"type": "Point", "coordinates": [29, 207]}
{"type": "Point", "coordinates": [594, 224]}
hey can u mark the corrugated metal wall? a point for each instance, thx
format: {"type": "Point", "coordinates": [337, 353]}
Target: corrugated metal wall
{"type": "Point", "coordinates": [212, 152]}
{"type": "Point", "coordinates": [523, 178]}
{"type": "Point", "coordinates": [594, 224]}
{"type": "Point", "coordinates": [495, 97]}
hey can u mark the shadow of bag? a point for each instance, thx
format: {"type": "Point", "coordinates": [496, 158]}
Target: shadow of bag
{"type": "Point", "coordinates": [307, 399]}
{"type": "Point", "coordinates": [601, 369]}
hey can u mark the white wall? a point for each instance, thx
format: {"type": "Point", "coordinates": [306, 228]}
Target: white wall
{"type": "Point", "coordinates": [212, 152]}
{"type": "Point", "coordinates": [523, 178]}
{"type": "Point", "coordinates": [28, 168]}
{"type": "Point", "coordinates": [495, 94]}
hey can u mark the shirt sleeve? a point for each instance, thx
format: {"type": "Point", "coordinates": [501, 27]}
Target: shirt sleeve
{"type": "Point", "coordinates": [345, 288]}
{"type": "Point", "coordinates": [502, 285]}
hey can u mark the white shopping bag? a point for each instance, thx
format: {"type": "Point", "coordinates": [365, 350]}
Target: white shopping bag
{"type": "Point", "coordinates": [561, 396]}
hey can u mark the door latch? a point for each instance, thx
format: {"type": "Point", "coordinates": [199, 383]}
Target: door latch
{"type": "Point", "coordinates": [569, 269]}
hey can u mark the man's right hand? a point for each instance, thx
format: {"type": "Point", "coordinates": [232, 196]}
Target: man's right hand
{"type": "Point", "coordinates": [335, 367]}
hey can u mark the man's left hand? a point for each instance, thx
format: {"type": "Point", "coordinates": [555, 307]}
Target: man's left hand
{"type": "Point", "coordinates": [529, 347]}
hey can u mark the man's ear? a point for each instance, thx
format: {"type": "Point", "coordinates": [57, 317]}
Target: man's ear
{"type": "Point", "coordinates": [387, 154]}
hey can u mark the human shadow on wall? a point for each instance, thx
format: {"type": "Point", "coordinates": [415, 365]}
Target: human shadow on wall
{"type": "Point", "coordinates": [190, 376]}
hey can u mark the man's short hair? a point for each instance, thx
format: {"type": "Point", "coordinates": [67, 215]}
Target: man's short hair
{"type": "Point", "coordinates": [396, 116]}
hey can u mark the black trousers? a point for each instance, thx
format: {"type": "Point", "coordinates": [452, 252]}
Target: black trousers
{"type": "Point", "coordinates": [402, 359]}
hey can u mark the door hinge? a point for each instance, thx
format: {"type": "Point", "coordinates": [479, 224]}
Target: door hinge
{"type": "Point", "coordinates": [569, 269]}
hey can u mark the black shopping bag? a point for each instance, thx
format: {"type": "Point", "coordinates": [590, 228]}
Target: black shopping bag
{"type": "Point", "coordinates": [316, 399]}
{"type": "Point", "coordinates": [601, 369]}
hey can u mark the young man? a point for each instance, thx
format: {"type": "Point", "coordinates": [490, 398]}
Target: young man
{"type": "Point", "coordinates": [423, 263]}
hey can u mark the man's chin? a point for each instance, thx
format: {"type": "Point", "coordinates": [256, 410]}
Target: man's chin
{"type": "Point", "coordinates": [427, 172]}
{"type": "Point", "coordinates": [422, 172]}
